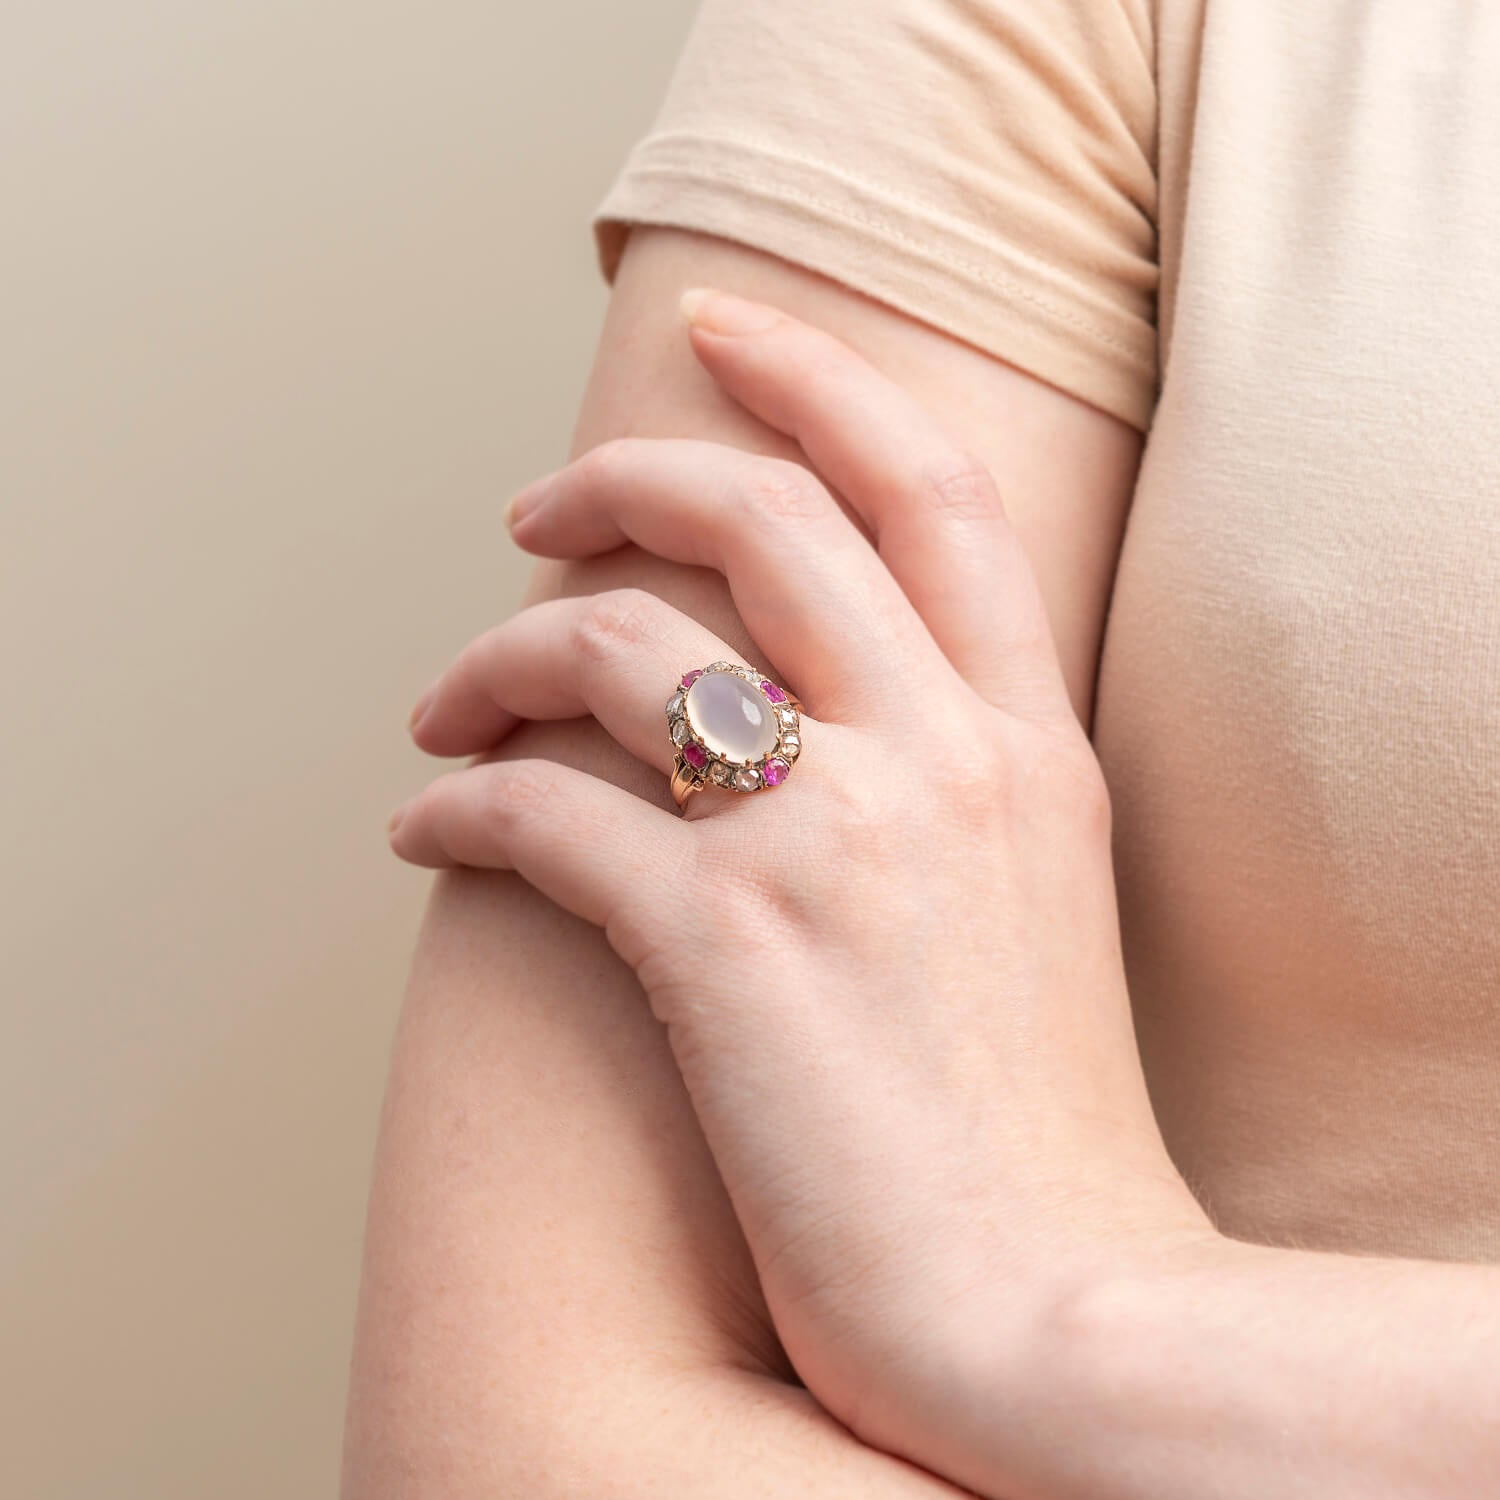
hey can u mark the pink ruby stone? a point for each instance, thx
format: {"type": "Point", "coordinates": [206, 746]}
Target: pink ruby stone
{"type": "Point", "coordinates": [695, 755]}
{"type": "Point", "coordinates": [773, 692]}
{"type": "Point", "coordinates": [692, 677]}
{"type": "Point", "coordinates": [774, 772]}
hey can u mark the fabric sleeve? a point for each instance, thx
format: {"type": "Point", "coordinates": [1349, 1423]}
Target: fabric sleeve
{"type": "Point", "coordinates": [985, 166]}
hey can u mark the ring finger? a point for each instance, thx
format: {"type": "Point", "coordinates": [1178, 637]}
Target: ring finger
{"type": "Point", "coordinates": [616, 655]}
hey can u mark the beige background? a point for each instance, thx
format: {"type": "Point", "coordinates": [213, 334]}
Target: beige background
{"type": "Point", "coordinates": [291, 295]}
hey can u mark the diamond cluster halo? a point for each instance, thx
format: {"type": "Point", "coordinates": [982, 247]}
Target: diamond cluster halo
{"type": "Point", "coordinates": [733, 728]}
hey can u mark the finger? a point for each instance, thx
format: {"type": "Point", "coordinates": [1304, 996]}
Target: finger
{"type": "Point", "coordinates": [810, 589]}
{"type": "Point", "coordinates": [616, 655]}
{"type": "Point", "coordinates": [933, 508]}
{"type": "Point", "coordinates": [597, 850]}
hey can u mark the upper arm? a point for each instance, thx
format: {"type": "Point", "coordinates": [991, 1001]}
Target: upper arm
{"type": "Point", "coordinates": [551, 1259]}
{"type": "Point", "coordinates": [1065, 469]}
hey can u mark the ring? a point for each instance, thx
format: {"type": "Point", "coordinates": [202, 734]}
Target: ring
{"type": "Point", "coordinates": [734, 729]}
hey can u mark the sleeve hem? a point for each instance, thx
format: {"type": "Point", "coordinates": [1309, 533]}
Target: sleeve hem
{"type": "Point", "coordinates": [898, 252]}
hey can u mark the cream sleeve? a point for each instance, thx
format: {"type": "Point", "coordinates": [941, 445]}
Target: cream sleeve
{"type": "Point", "coordinates": [986, 166]}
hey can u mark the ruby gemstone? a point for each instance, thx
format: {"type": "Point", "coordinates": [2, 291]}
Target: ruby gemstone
{"type": "Point", "coordinates": [774, 772]}
{"type": "Point", "coordinates": [773, 692]}
{"type": "Point", "coordinates": [695, 755]}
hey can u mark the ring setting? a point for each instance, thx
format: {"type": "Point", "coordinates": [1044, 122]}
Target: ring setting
{"type": "Point", "coordinates": [733, 728]}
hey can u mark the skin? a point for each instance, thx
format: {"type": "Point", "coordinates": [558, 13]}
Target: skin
{"type": "Point", "coordinates": [556, 1290]}
{"type": "Point", "coordinates": [830, 955]}
{"type": "Point", "coordinates": [995, 1273]}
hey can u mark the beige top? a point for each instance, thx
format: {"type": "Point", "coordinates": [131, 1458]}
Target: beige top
{"type": "Point", "coordinates": [1269, 232]}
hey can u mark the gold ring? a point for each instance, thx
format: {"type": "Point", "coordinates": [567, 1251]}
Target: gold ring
{"type": "Point", "coordinates": [733, 728]}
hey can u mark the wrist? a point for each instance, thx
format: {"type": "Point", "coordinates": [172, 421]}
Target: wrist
{"type": "Point", "coordinates": [1104, 1365]}
{"type": "Point", "coordinates": [998, 1392]}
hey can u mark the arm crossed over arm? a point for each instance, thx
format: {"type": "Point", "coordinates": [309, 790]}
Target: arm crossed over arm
{"type": "Point", "coordinates": [557, 1298]}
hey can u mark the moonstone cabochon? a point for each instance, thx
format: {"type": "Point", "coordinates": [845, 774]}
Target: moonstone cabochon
{"type": "Point", "coordinates": [732, 716]}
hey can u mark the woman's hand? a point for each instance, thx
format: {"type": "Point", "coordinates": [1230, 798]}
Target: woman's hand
{"type": "Point", "coordinates": [893, 984]}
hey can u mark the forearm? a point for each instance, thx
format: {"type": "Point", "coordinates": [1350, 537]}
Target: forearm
{"type": "Point", "coordinates": [733, 1435]}
{"type": "Point", "coordinates": [1248, 1371]}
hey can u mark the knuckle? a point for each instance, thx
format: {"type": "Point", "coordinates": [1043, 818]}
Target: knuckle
{"type": "Point", "coordinates": [1029, 775]}
{"type": "Point", "coordinates": [780, 490]}
{"type": "Point", "coordinates": [979, 792]}
{"type": "Point", "coordinates": [967, 722]}
{"type": "Point", "coordinates": [523, 788]}
{"type": "Point", "coordinates": [600, 466]}
{"type": "Point", "coordinates": [614, 620]}
{"type": "Point", "coordinates": [960, 487]}
{"type": "Point", "coordinates": [1060, 775]}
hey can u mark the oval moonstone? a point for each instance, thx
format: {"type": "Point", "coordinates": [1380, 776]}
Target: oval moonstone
{"type": "Point", "coordinates": [731, 716]}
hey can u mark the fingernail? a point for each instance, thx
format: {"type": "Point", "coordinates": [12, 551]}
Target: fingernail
{"type": "Point", "coordinates": [723, 312]}
{"type": "Point", "coordinates": [396, 817]}
{"type": "Point", "coordinates": [523, 504]}
{"type": "Point", "coordinates": [422, 705]}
